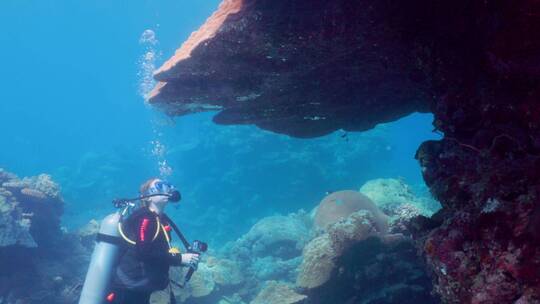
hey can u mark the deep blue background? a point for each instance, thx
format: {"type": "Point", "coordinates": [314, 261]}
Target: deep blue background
{"type": "Point", "coordinates": [69, 106]}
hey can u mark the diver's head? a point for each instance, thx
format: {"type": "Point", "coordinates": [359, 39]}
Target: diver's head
{"type": "Point", "coordinates": [156, 193]}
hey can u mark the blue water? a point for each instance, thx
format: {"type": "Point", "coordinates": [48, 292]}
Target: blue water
{"type": "Point", "coordinates": [71, 107]}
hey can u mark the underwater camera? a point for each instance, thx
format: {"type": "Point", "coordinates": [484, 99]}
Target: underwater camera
{"type": "Point", "coordinates": [198, 247]}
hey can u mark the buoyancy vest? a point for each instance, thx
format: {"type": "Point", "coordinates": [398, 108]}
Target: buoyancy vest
{"type": "Point", "coordinates": [145, 259]}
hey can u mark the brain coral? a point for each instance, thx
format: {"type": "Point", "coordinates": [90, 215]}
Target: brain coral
{"type": "Point", "coordinates": [339, 205]}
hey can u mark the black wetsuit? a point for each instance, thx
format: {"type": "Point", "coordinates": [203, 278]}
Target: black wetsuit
{"type": "Point", "coordinates": [144, 267]}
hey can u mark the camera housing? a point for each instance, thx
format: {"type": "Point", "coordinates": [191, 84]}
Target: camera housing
{"type": "Point", "coordinates": [199, 246]}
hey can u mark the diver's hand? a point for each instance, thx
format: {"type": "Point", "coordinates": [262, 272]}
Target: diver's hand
{"type": "Point", "coordinates": [190, 259]}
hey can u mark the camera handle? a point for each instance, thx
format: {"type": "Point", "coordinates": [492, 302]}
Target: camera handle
{"type": "Point", "coordinates": [188, 247]}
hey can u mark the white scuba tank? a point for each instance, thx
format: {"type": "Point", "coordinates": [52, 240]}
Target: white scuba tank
{"type": "Point", "coordinates": [104, 259]}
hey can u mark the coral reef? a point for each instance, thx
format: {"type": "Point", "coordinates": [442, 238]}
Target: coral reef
{"type": "Point", "coordinates": [339, 205]}
{"type": "Point", "coordinates": [278, 293]}
{"type": "Point", "coordinates": [287, 259]}
{"type": "Point", "coordinates": [278, 236]}
{"type": "Point", "coordinates": [317, 262]}
{"type": "Point", "coordinates": [389, 194]}
{"type": "Point", "coordinates": [320, 254]}
{"type": "Point", "coordinates": [281, 259]}
{"type": "Point", "coordinates": [30, 210]}
{"type": "Point", "coordinates": [14, 232]}
{"type": "Point", "coordinates": [354, 261]}
{"type": "Point", "coordinates": [38, 262]}
{"type": "Point", "coordinates": [224, 271]}
{"type": "Point", "coordinates": [397, 199]}
{"type": "Point", "coordinates": [270, 250]}
{"type": "Point", "coordinates": [372, 272]}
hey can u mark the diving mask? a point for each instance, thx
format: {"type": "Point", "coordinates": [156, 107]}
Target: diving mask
{"type": "Point", "coordinates": [160, 187]}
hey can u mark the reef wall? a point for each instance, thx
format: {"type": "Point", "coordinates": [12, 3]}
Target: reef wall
{"type": "Point", "coordinates": [310, 67]}
{"type": "Point", "coordinates": [485, 169]}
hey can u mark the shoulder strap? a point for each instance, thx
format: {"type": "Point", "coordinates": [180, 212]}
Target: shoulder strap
{"type": "Point", "coordinates": [178, 232]}
{"type": "Point", "coordinates": [134, 216]}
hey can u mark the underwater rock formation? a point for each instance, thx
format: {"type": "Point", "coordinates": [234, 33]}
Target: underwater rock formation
{"type": "Point", "coordinates": [311, 67]}
{"type": "Point", "coordinates": [485, 171]}
{"type": "Point", "coordinates": [304, 69]}
{"type": "Point", "coordinates": [485, 247]}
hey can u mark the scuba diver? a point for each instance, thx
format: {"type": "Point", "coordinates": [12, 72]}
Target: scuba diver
{"type": "Point", "coordinates": [133, 255]}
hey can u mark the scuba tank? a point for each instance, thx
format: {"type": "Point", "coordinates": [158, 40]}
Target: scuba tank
{"type": "Point", "coordinates": [103, 261]}
{"type": "Point", "coordinates": [108, 244]}
{"type": "Point", "coordinates": [105, 256]}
